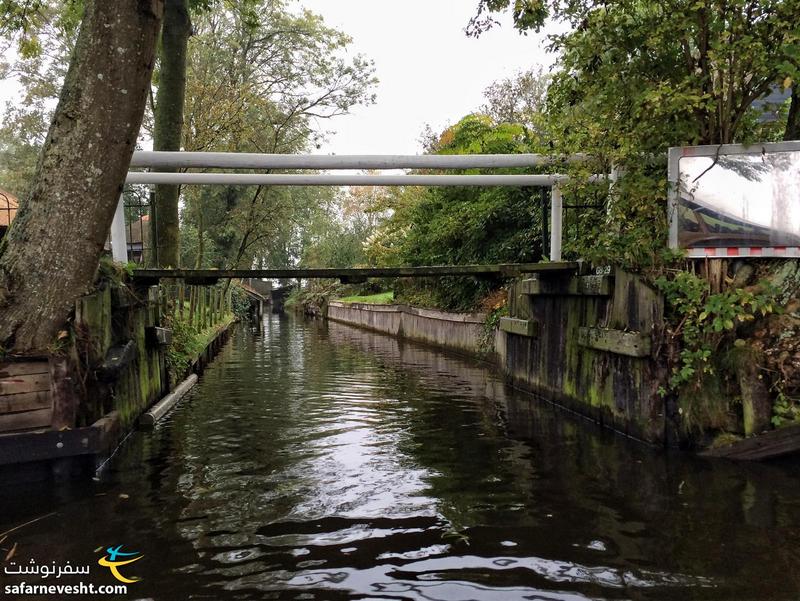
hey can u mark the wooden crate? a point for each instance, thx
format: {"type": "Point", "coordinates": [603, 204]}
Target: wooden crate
{"type": "Point", "coordinates": [26, 401]}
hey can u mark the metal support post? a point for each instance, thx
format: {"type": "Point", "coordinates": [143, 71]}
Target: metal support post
{"type": "Point", "coordinates": [119, 245]}
{"type": "Point", "coordinates": [556, 207]}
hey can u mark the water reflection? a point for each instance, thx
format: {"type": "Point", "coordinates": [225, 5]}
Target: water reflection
{"type": "Point", "coordinates": [318, 461]}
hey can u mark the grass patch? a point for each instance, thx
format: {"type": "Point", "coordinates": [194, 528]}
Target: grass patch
{"type": "Point", "coordinates": [382, 298]}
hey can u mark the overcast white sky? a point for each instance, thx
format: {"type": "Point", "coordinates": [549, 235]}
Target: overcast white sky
{"type": "Point", "coordinates": [429, 70]}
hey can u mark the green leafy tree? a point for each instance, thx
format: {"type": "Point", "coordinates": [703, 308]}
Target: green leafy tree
{"type": "Point", "coordinates": [518, 99]}
{"type": "Point", "coordinates": [464, 225]}
{"type": "Point", "coordinates": [168, 125]}
{"type": "Point", "coordinates": [341, 234]}
{"type": "Point", "coordinates": [51, 252]}
{"type": "Point", "coordinates": [263, 85]}
{"type": "Point", "coordinates": [634, 78]}
{"type": "Point", "coordinates": [44, 37]}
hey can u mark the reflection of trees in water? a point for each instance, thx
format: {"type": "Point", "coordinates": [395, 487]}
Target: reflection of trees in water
{"type": "Point", "coordinates": [233, 466]}
{"type": "Point", "coordinates": [569, 477]}
{"type": "Point", "coordinates": [452, 428]}
{"type": "Point", "coordinates": [785, 196]}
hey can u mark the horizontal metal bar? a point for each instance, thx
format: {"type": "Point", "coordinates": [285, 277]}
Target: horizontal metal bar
{"type": "Point", "coordinates": [263, 179]}
{"type": "Point", "coordinates": [714, 150]}
{"type": "Point", "coordinates": [504, 269]}
{"type": "Point", "coordinates": [235, 160]}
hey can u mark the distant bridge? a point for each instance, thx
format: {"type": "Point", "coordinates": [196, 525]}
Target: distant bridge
{"type": "Point", "coordinates": [355, 275]}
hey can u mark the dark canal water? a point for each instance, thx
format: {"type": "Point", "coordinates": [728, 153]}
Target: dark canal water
{"type": "Point", "coordinates": [318, 461]}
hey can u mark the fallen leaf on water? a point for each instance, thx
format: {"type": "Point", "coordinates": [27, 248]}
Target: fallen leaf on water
{"type": "Point", "coordinates": [12, 552]}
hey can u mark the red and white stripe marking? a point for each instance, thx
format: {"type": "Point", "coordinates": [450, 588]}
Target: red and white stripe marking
{"type": "Point", "coordinates": [736, 251]}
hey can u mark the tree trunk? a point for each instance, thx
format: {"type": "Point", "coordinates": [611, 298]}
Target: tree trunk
{"type": "Point", "coordinates": [793, 122]}
{"type": "Point", "coordinates": [169, 124]}
{"type": "Point", "coordinates": [50, 255]}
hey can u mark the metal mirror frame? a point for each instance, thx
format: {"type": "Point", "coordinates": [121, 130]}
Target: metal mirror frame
{"type": "Point", "coordinates": [675, 154]}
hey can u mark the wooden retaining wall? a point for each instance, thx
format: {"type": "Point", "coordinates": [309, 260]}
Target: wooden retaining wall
{"type": "Point", "coordinates": [589, 342]}
{"type": "Point", "coordinates": [585, 341]}
{"type": "Point", "coordinates": [109, 371]}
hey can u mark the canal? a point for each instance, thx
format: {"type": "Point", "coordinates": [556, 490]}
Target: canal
{"type": "Point", "coordinates": [317, 461]}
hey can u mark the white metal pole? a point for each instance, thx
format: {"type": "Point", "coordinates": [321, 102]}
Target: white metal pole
{"type": "Point", "coordinates": [119, 244]}
{"type": "Point", "coordinates": [243, 160]}
{"type": "Point", "coordinates": [272, 179]}
{"type": "Point", "coordinates": [556, 207]}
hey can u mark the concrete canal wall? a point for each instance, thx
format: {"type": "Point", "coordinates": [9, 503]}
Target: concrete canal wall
{"type": "Point", "coordinates": [586, 341]}
{"type": "Point", "coordinates": [455, 331]}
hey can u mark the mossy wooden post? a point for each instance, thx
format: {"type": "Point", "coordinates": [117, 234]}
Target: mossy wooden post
{"type": "Point", "coordinates": [144, 376]}
{"type": "Point", "coordinates": [192, 305]}
{"type": "Point", "coordinates": [163, 297]}
{"type": "Point", "coordinates": [212, 293]}
{"type": "Point", "coordinates": [93, 312]}
{"type": "Point", "coordinates": [216, 305]}
{"type": "Point", "coordinates": [756, 403]}
{"type": "Point", "coordinates": [203, 308]}
{"type": "Point", "coordinates": [207, 301]}
{"type": "Point", "coordinates": [196, 306]}
{"type": "Point", "coordinates": [199, 318]}
{"type": "Point", "coordinates": [196, 311]}
{"type": "Point", "coordinates": [181, 300]}
{"type": "Point", "coordinates": [63, 393]}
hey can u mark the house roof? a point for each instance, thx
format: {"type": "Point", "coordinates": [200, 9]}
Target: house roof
{"type": "Point", "coordinates": [8, 207]}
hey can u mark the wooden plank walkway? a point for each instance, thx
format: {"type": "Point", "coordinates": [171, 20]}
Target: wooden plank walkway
{"type": "Point", "coordinates": [497, 270]}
